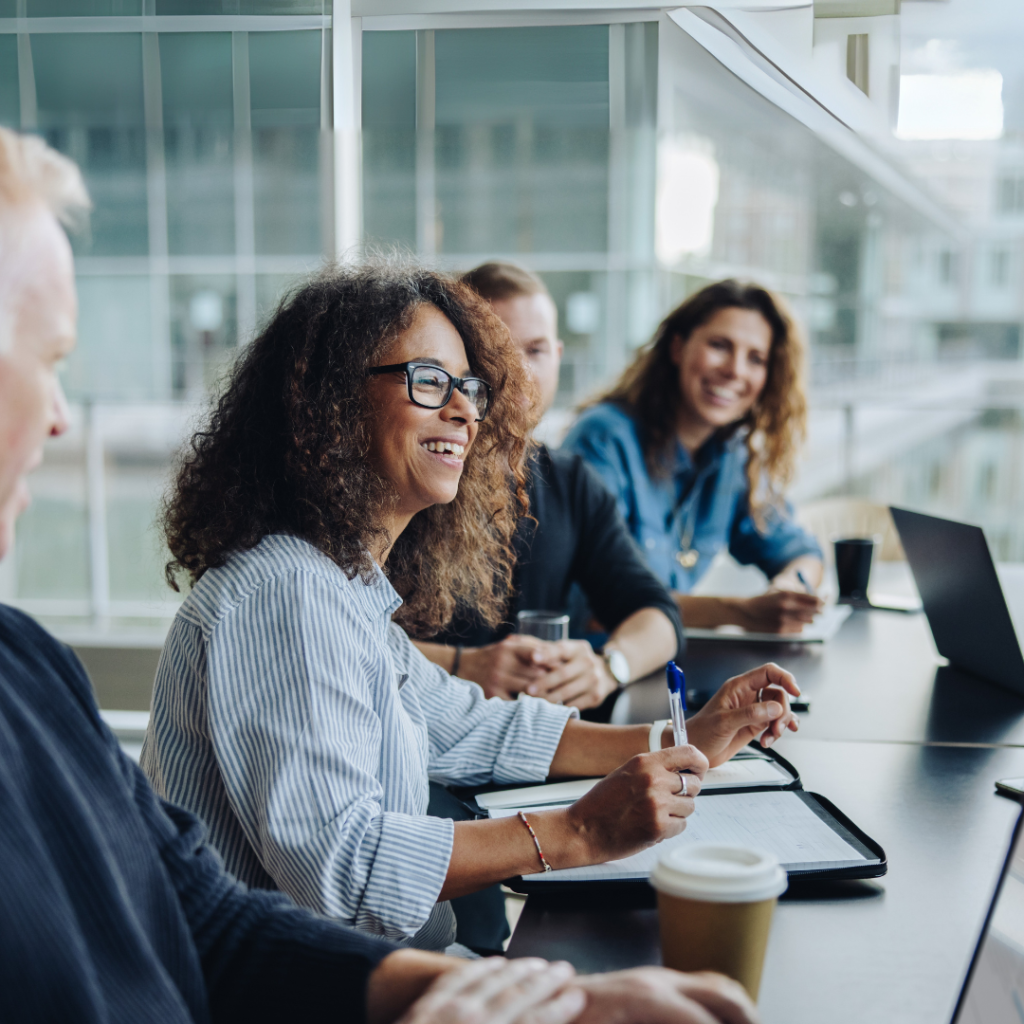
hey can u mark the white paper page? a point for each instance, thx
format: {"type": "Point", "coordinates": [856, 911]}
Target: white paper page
{"type": "Point", "coordinates": [823, 628]}
{"type": "Point", "coordinates": [733, 774]}
{"type": "Point", "coordinates": [536, 796]}
{"type": "Point", "coordinates": [780, 823]}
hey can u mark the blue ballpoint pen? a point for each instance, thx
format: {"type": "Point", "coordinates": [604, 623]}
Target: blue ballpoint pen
{"type": "Point", "coordinates": [677, 702]}
{"type": "Point", "coordinates": [803, 579]}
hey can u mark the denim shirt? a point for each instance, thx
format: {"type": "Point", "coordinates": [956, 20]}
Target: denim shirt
{"type": "Point", "coordinates": [705, 500]}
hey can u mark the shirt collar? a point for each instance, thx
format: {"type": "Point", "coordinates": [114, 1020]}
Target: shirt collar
{"type": "Point", "coordinates": [712, 451]}
{"type": "Point", "coordinates": [378, 597]}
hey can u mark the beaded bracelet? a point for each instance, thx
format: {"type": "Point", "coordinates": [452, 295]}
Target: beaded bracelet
{"type": "Point", "coordinates": [536, 842]}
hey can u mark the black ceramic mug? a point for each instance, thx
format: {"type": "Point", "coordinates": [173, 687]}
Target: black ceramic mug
{"type": "Point", "coordinates": [853, 566]}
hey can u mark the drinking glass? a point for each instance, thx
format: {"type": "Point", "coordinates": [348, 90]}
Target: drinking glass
{"type": "Point", "coordinates": [544, 625]}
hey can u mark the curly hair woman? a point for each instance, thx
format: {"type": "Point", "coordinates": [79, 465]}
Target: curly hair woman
{"type": "Point", "coordinates": [357, 469]}
{"type": "Point", "coordinates": [698, 440]}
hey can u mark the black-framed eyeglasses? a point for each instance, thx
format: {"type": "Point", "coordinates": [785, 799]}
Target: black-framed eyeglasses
{"type": "Point", "coordinates": [431, 387]}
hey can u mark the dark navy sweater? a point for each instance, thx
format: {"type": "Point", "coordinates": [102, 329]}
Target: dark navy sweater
{"type": "Point", "coordinates": [112, 908]}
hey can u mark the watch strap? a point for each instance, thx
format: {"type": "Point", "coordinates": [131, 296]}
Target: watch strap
{"type": "Point", "coordinates": [657, 730]}
{"type": "Point", "coordinates": [612, 656]}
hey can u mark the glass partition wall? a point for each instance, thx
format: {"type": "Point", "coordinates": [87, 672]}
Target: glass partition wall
{"type": "Point", "coordinates": [207, 155]}
{"type": "Point", "coordinates": [533, 144]}
{"type": "Point", "coordinates": [610, 152]}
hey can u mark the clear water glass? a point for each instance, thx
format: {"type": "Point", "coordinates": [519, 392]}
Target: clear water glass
{"type": "Point", "coordinates": [544, 625]}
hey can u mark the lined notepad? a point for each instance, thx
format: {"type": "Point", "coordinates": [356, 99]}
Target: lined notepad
{"type": "Point", "coordinates": [779, 822]}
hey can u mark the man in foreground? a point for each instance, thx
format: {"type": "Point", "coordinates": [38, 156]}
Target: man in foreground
{"type": "Point", "coordinates": [112, 906]}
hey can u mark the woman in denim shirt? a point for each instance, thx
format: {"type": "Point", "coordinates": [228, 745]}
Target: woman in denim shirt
{"type": "Point", "coordinates": [698, 439]}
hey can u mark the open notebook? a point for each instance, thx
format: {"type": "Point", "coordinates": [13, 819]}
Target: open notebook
{"type": "Point", "coordinates": [744, 771]}
{"type": "Point", "coordinates": [823, 628]}
{"type": "Point", "coordinates": [807, 834]}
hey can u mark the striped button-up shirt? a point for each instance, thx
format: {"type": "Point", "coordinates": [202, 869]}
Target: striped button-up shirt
{"type": "Point", "coordinates": [293, 716]}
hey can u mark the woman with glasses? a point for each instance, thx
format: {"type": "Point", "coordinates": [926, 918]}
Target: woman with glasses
{"type": "Point", "coordinates": [352, 484]}
{"type": "Point", "coordinates": [698, 440]}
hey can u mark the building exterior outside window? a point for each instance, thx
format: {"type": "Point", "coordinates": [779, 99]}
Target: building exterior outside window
{"type": "Point", "coordinates": [628, 157]}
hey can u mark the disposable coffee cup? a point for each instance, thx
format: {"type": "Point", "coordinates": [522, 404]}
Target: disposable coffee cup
{"type": "Point", "coordinates": [715, 906]}
{"type": "Point", "coordinates": [544, 625]}
{"type": "Point", "coordinates": [853, 566]}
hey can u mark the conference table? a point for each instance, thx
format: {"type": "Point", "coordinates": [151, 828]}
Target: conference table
{"type": "Point", "coordinates": [909, 749]}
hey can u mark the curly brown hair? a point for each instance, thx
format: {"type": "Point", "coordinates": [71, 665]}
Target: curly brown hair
{"type": "Point", "coordinates": [286, 448]}
{"type": "Point", "coordinates": [776, 425]}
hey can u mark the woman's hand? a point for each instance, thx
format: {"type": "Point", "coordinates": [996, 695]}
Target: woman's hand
{"type": "Point", "coordinates": [655, 995]}
{"type": "Point", "coordinates": [778, 610]}
{"type": "Point", "coordinates": [747, 706]}
{"type": "Point", "coordinates": [499, 991]}
{"type": "Point", "coordinates": [636, 806]}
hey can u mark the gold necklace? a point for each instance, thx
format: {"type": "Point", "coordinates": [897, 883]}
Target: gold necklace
{"type": "Point", "coordinates": [687, 555]}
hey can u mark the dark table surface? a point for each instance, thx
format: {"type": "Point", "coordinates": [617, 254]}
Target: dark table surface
{"type": "Point", "coordinates": [890, 950]}
{"type": "Point", "coordinates": [909, 749]}
{"type": "Point", "coordinates": [878, 679]}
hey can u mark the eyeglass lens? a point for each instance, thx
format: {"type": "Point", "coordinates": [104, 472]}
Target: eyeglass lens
{"type": "Point", "coordinates": [431, 387]}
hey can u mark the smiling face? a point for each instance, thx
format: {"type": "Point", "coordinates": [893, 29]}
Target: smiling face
{"type": "Point", "coordinates": [421, 451]}
{"type": "Point", "coordinates": [532, 321]}
{"type": "Point", "coordinates": [38, 311]}
{"type": "Point", "coordinates": [723, 368]}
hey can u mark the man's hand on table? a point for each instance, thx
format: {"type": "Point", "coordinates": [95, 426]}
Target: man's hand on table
{"type": "Point", "coordinates": [533, 991]}
{"type": "Point", "coordinates": [752, 705]}
{"type": "Point", "coordinates": [575, 675]}
{"type": "Point", "coordinates": [499, 991]}
{"type": "Point", "coordinates": [563, 672]}
{"type": "Point", "coordinates": [655, 995]}
{"type": "Point", "coordinates": [507, 668]}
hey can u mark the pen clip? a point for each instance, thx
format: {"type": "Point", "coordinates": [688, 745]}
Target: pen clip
{"type": "Point", "coordinates": [672, 676]}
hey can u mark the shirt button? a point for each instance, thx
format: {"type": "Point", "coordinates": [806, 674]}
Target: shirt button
{"type": "Point", "coordinates": [649, 543]}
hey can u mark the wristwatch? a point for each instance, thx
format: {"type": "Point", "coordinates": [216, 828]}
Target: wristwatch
{"type": "Point", "coordinates": [617, 665]}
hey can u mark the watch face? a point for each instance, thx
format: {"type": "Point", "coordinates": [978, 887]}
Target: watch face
{"type": "Point", "coordinates": [618, 666]}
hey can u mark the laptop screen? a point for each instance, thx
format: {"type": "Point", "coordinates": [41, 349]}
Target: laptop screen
{"type": "Point", "coordinates": [994, 992]}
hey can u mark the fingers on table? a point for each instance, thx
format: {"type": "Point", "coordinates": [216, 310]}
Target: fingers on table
{"type": "Point", "coordinates": [527, 991]}
{"type": "Point", "coordinates": [725, 998]}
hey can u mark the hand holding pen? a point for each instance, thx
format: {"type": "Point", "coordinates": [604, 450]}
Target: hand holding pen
{"type": "Point", "coordinates": [747, 707]}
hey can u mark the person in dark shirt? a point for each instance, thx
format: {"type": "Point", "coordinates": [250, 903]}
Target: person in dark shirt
{"type": "Point", "coordinates": [112, 907]}
{"type": "Point", "coordinates": [574, 553]}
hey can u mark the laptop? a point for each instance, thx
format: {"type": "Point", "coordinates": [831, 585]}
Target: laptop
{"type": "Point", "coordinates": [993, 992]}
{"type": "Point", "coordinates": [962, 598]}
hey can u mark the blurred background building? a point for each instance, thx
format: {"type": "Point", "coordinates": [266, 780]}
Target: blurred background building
{"type": "Point", "coordinates": [864, 157]}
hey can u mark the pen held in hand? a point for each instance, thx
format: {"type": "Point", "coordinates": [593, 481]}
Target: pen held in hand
{"type": "Point", "coordinates": [806, 585]}
{"type": "Point", "coordinates": [677, 702]}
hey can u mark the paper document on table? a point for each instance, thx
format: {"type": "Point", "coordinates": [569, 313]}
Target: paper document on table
{"type": "Point", "coordinates": [734, 774]}
{"type": "Point", "coordinates": [779, 822]}
{"type": "Point", "coordinates": [824, 627]}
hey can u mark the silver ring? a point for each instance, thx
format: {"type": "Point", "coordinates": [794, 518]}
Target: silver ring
{"type": "Point", "coordinates": [683, 792]}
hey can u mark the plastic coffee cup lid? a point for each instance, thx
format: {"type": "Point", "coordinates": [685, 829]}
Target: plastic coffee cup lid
{"type": "Point", "coordinates": [719, 873]}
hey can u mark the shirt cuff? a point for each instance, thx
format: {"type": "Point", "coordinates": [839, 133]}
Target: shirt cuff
{"type": "Point", "coordinates": [531, 740]}
{"type": "Point", "coordinates": [410, 865]}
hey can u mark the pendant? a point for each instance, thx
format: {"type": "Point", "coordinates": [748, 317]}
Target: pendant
{"type": "Point", "coordinates": [688, 558]}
